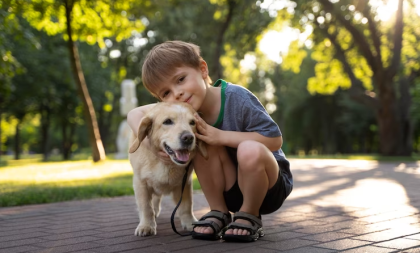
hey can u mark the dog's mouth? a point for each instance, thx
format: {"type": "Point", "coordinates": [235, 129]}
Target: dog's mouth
{"type": "Point", "coordinates": [181, 156]}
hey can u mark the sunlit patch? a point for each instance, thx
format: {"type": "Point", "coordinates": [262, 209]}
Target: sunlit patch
{"type": "Point", "coordinates": [65, 172]}
{"type": "Point", "coordinates": [412, 168]}
{"type": "Point", "coordinates": [373, 193]}
{"type": "Point", "coordinates": [312, 190]}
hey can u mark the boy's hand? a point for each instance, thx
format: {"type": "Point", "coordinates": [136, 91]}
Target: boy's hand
{"type": "Point", "coordinates": [205, 132]}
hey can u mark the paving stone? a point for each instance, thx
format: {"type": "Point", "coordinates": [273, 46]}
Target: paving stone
{"type": "Point", "coordinates": [400, 243]}
{"type": "Point", "coordinates": [386, 235]}
{"type": "Point", "coordinates": [20, 232]}
{"type": "Point", "coordinates": [69, 241]}
{"type": "Point", "coordinates": [326, 237]}
{"type": "Point", "coordinates": [31, 241]}
{"type": "Point", "coordinates": [415, 237]}
{"type": "Point", "coordinates": [19, 249]}
{"type": "Point", "coordinates": [250, 249]}
{"type": "Point", "coordinates": [289, 244]}
{"type": "Point", "coordinates": [343, 244]}
{"type": "Point", "coordinates": [369, 249]}
{"type": "Point", "coordinates": [318, 229]}
{"type": "Point", "coordinates": [413, 250]}
{"type": "Point", "coordinates": [22, 236]}
{"type": "Point", "coordinates": [68, 248]}
{"type": "Point", "coordinates": [331, 220]}
{"type": "Point", "coordinates": [310, 250]}
{"type": "Point", "coordinates": [282, 236]}
{"type": "Point", "coordinates": [63, 236]}
{"type": "Point", "coordinates": [221, 246]}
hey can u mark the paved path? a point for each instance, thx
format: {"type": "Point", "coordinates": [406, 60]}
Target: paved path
{"type": "Point", "coordinates": [336, 206]}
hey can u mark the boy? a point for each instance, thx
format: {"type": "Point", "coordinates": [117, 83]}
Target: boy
{"type": "Point", "coordinates": [246, 172]}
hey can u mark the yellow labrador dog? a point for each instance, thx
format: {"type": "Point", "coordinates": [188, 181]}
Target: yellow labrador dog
{"type": "Point", "coordinates": [169, 127]}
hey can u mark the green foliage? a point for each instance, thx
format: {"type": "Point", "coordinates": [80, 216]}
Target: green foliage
{"type": "Point", "coordinates": [92, 21]}
{"type": "Point", "coordinates": [9, 66]}
{"type": "Point", "coordinates": [329, 78]}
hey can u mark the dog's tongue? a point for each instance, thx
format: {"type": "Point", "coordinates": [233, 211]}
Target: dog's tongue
{"type": "Point", "coordinates": [182, 155]}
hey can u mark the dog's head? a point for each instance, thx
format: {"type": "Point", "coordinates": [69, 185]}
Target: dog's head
{"type": "Point", "coordinates": [171, 127]}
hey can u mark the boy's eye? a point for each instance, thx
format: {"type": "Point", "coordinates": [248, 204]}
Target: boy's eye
{"type": "Point", "coordinates": [181, 79]}
{"type": "Point", "coordinates": [168, 122]}
{"type": "Point", "coordinates": [165, 94]}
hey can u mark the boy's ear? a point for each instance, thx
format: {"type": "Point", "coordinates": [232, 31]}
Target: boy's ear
{"type": "Point", "coordinates": [204, 69]}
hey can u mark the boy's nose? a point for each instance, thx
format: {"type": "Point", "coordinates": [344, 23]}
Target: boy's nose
{"type": "Point", "coordinates": [179, 94]}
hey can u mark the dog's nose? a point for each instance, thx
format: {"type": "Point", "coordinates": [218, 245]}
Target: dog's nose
{"type": "Point", "coordinates": [187, 138]}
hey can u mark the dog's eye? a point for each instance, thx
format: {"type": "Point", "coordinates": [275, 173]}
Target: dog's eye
{"type": "Point", "coordinates": [168, 122]}
{"type": "Point", "coordinates": [192, 123]}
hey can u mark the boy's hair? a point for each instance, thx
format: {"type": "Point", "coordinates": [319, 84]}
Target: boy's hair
{"type": "Point", "coordinates": [164, 58]}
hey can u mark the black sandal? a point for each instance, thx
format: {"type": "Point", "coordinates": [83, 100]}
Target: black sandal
{"type": "Point", "coordinates": [255, 229]}
{"type": "Point", "coordinates": [225, 218]}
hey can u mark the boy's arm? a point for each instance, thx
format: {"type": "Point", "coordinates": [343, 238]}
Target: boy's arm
{"type": "Point", "coordinates": [214, 136]}
{"type": "Point", "coordinates": [134, 116]}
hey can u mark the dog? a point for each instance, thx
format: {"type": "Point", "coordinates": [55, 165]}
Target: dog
{"type": "Point", "coordinates": [169, 127]}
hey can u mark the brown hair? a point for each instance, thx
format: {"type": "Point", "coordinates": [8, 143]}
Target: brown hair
{"type": "Point", "coordinates": [162, 60]}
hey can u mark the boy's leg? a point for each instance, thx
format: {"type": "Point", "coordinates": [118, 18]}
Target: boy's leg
{"type": "Point", "coordinates": [216, 175]}
{"type": "Point", "coordinates": [257, 173]}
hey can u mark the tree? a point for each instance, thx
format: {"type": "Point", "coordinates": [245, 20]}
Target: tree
{"type": "Point", "coordinates": [9, 66]}
{"type": "Point", "coordinates": [89, 21]}
{"type": "Point", "coordinates": [357, 51]}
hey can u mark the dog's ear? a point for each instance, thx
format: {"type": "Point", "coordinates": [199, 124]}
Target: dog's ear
{"type": "Point", "coordinates": [142, 132]}
{"type": "Point", "coordinates": [202, 149]}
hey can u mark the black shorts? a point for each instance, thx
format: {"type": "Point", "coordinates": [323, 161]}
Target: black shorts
{"type": "Point", "coordinates": [273, 199]}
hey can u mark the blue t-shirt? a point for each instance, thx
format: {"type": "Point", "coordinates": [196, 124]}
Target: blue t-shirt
{"type": "Point", "coordinates": [241, 111]}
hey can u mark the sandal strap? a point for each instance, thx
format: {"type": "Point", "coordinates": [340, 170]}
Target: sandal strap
{"type": "Point", "coordinates": [251, 228]}
{"type": "Point", "coordinates": [256, 221]}
{"type": "Point", "coordinates": [223, 217]}
{"type": "Point", "coordinates": [207, 223]}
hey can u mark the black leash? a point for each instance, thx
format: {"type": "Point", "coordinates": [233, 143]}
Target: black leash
{"type": "Point", "coordinates": [184, 181]}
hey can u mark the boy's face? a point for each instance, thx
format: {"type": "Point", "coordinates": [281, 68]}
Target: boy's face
{"type": "Point", "coordinates": [186, 84]}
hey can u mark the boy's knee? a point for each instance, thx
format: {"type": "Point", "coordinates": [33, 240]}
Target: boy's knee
{"type": "Point", "coordinates": [250, 152]}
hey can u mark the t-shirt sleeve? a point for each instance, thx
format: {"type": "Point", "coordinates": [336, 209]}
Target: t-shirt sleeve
{"type": "Point", "coordinates": [256, 119]}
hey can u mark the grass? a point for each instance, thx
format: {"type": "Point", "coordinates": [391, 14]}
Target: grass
{"type": "Point", "coordinates": [30, 181]}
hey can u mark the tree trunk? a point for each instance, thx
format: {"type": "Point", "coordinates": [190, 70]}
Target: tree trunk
{"type": "Point", "coordinates": [216, 70]}
{"type": "Point", "coordinates": [1, 143]}
{"type": "Point", "coordinates": [45, 126]}
{"type": "Point", "coordinates": [98, 151]}
{"type": "Point", "coordinates": [389, 131]}
{"type": "Point", "coordinates": [406, 122]}
{"type": "Point", "coordinates": [67, 139]}
{"type": "Point", "coordinates": [17, 141]}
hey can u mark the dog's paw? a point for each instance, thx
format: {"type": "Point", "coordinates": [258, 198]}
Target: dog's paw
{"type": "Point", "coordinates": [145, 231]}
{"type": "Point", "coordinates": [186, 223]}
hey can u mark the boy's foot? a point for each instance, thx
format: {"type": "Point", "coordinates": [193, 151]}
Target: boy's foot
{"type": "Point", "coordinates": [211, 225]}
{"type": "Point", "coordinates": [239, 231]}
{"type": "Point", "coordinates": [244, 228]}
{"type": "Point", "coordinates": [207, 230]}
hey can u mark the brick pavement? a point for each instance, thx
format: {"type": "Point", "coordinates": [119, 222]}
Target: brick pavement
{"type": "Point", "coordinates": [336, 206]}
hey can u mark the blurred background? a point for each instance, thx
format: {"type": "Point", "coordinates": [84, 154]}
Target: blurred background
{"type": "Point", "coordinates": [340, 77]}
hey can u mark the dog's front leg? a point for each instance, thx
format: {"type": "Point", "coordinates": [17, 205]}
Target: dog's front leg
{"type": "Point", "coordinates": [185, 210]}
{"type": "Point", "coordinates": [156, 200]}
{"type": "Point", "coordinates": [147, 225]}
